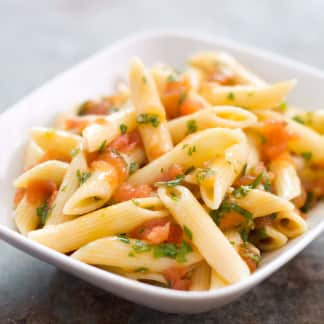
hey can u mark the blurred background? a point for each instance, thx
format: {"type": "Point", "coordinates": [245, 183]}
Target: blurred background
{"type": "Point", "coordinates": [41, 38]}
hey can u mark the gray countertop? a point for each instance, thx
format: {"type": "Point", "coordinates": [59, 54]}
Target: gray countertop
{"type": "Point", "coordinates": [41, 38]}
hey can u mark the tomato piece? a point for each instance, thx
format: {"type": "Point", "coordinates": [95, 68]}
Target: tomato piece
{"type": "Point", "coordinates": [248, 257]}
{"type": "Point", "coordinates": [276, 137]}
{"type": "Point", "coordinates": [300, 200]}
{"type": "Point", "coordinates": [174, 94]}
{"type": "Point", "coordinates": [127, 192]}
{"type": "Point", "coordinates": [38, 191]}
{"type": "Point", "coordinates": [249, 178]}
{"type": "Point", "coordinates": [223, 75]}
{"type": "Point", "coordinates": [127, 142]}
{"type": "Point", "coordinates": [171, 173]}
{"type": "Point", "coordinates": [19, 195]}
{"type": "Point", "coordinates": [175, 234]}
{"type": "Point", "coordinates": [190, 106]}
{"type": "Point", "coordinates": [230, 220]}
{"type": "Point", "coordinates": [76, 124]}
{"type": "Point", "coordinates": [95, 107]}
{"type": "Point", "coordinates": [177, 278]}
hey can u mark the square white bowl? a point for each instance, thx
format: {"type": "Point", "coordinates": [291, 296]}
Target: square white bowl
{"type": "Point", "coordinates": [97, 76]}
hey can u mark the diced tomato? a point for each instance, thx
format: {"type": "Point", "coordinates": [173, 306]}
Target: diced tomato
{"type": "Point", "coordinates": [171, 173]}
{"type": "Point", "coordinates": [230, 220]}
{"type": "Point", "coordinates": [127, 192]}
{"type": "Point", "coordinates": [158, 230]}
{"type": "Point", "coordinates": [223, 75]}
{"type": "Point", "coordinates": [248, 178]}
{"type": "Point", "coordinates": [76, 124]}
{"type": "Point", "coordinates": [95, 107]}
{"type": "Point", "coordinates": [177, 278]}
{"type": "Point", "coordinates": [315, 185]}
{"type": "Point", "coordinates": [190, 106]}
{"type": "Point", "coordinates": [126, 142]}
{"type": "Point", "coordinates": [174, 94]}
{"type": "Point", "coordinates": [300, 200]}
{"type": "Point", "coordinates": [261, 222]}
{"type": "Point", "coordinates": [19, 195]}
{"type": "Point", "coordinates": [38, 191]}
{"type": "Point", "coordinates": [247, 255]}
{"type": "Point", "coordinates": [276, 138]}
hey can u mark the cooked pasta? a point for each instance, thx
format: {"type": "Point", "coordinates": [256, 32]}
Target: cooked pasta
{"type": "Point", "coordinates": [179, 179]}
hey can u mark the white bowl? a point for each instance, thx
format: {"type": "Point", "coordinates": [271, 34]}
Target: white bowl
{"type": "Point", "coordinates": [97, 76]}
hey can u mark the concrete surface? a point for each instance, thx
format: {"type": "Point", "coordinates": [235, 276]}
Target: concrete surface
{"type": "Point", "coordinates": [40, 38]}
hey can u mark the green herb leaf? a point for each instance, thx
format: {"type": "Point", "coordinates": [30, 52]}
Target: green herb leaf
{"type": "Point", "coordinates": [123, 128]}
{"type": "Point", "coordinates": [43, 212]}
{"type": "Point", "coordinates": [152, 119]}
{"type": "Point", "coordinates": [187, 232]}
{"type": "Point", "coordinates": [190, 169]}
{"type": "Point", "coordinates": [183, 250]}
{"type": "Point", "coordinates": [63, 188]}
{"type": "Point", "coordinates": [171, 78]}
{"type": "Point", "coordinates": [135, 202]}
{"type": "Point", "coordinates": [171, 183]}
{"type": "Point", "coordinates": [144, 79]}
{"type": "Point", "coordinates": [310, 199]}
{"type": "Point", "coordinates": [141, 269]}
{"type": "Point", "coordinates": [282, 107]}
{"type": "Point", "coordinates": [140, 247]}
{"type": "Point", "coordinates": [244, 233]}
{"type": "Point", "coordinates": [230, 96]}
{"type": "Point", "coordinates": [132, 167]}
{"type": "Point", "coordinates": [307, 155]}
{"type": "Point", "coordinates": [74, 152]}
{"type": "Point", "coordinates": [83, 176]}
{"type": "Point", "coordinates": [123, 238]}
{"type": "Point", "coordinates": [168, 250]}
{"type": "Point", "coordinates": [102, 147]}
{"type": "Point", "coordinates": [182, 98]}
{"type": "Point", "coordinates": [298, 119]}
{"type": "Point", "coordinates": [191, 126]}
{"type": "Point", "coordinates": [191, 150]}
{"type": "Point", "coordinates": [203, 174]}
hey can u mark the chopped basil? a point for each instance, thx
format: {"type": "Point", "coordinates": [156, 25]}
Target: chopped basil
{"type": "Point", "coordinates": [140, 247]}
{"type": "Point", "coordinates": [135, 202]}
{"type": "Point", "coordinates": [191, 150]}
{"type": "Point", "coordinates": [83, 176]}
{"type": "Point", "coordinates": [187, 232]}
{"type": "Point", "coordinates": [298, 119]}
{"type": "Point", "coordinates": [191, 126]}
{"type": "Point", "coordinates": [244, 170]}
{"type": "Point", "coordinates": [184, 146]}
{"type": "Point", "coordinates": [63, 188]}
{"type": "Point", "coordinates": [123, 128]}
{"type": "Point", "coordinates": [165, 250]}
{"type": "Point", "coordinates": [174, 197]}
{"type": "Point", "coordinates": [132, 167]}
{"type": "Point", "coordinates": [263, 139]}
{"type": "Point", "coordinates": [261, 233]}
{"type": "Point", "coordinates": [171, 183]}
{"type": "Point", "coordinates": [182, 98]}
{"type": "Point", "coordinates": [144, 79]}
{"type": "Point", "coordinates": [226, 207]}
{"type": "Point", "coordinates": [307, 155]}
{"type": "Point", "coordinates": [267, 184]}
{"type": "Point", "coordinates": [141, 269]}
{"type": "Point", "coordinates": [282, 107]}
{"type": "Point", "coordinates": [254, 257]}
{"type": "Point", "coordinates": [43, 212]}
{"type": "Point", "coordinates": [123, 238]}
{"type": "Point", "coordinates": [102, 147]}
{"type": "Point", "coordinates": [74, 152]}
{"type": "Point", "coordinates": [131, 254]}
{"type": "Point", "coordinates": [244, 233]}
{"type": "Point", "coordinates": [244, 190]}
{"type": "Point", "coordinates": [203, 174]}
{"type": "Point", "coordinates": [309, 202]}
{"type": "Point", "coordinates": [152, 119]}
{"type": "Point", "coordinates": [230, 96]}
{"type": "Point", "coordinates": [171, 78]}
{"type": "Point", "coordinates": [182, 251]}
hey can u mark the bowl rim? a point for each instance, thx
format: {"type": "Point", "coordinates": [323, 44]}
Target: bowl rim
{"type": "Point", "coordinates": [86, 271]}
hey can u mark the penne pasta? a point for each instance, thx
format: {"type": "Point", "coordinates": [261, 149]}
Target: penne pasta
{"type": "Point", "coordinates": [119, 218]}
{"type": "Point", "coordinates": [290, 224]}
{"type": "Point", "coordinates": [192, 152]}
{"type": "Point", "coordinates": [187, 211]}
{"type": "Point", "coordinates": [247, 96]}
{"type": "Point", "coordinates": [69, 185]}
{"type": "Point", "coordinates": [26, 218]}
{"type": "Point", "coordinates": [209, 62]}
{"type": "Point", "coordinates": [273, 239]}
{"type": "Point", "coordinates": [227, 117]}
{"type": "Point", "coordinates": [112, 126]}
{"type": "Point", "coordinates": [49, 170]}
{"type": "Point", "coordinates": [216, 281]}
{"type": "Point", "coordinates": [111, 251]}
{"type": "Point", "coordinates": [33, 154]}
{"type": "Point", "coordinates": [286, 181]}
{"type": "Point", "coordinates": [200, 279]}
{"type": "Point", "coordinates": [150, 114]}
